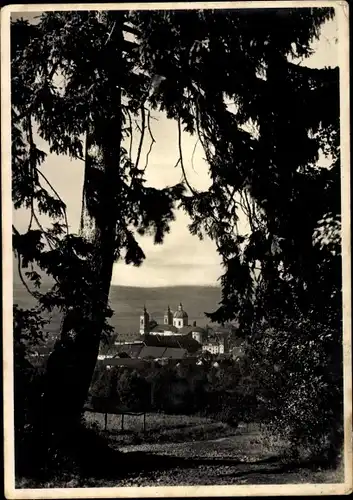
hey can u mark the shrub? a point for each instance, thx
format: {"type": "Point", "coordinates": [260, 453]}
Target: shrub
{"type": "Point", "coordinates": [299, 368]}
{"type": "Point", "coordinates": [28, 387]}
{"type": "Point", "coordinates": [120, 386]}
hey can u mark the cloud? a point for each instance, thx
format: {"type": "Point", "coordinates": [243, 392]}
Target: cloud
{"type": "Point", "coordinates": [181, 260]}
{"type": "Point", "coordinates": [166, 275]}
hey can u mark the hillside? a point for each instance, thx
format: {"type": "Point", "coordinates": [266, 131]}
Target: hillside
{"type": "Point", "coordinates": [128, 302]}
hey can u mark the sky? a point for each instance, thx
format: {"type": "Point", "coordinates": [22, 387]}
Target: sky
{"type": "Point", "coordinates": [183, 259]}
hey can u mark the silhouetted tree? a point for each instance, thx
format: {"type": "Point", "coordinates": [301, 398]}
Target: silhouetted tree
{"type": "Point", "coordinates": [262, 151]}
{"type": "Point", "coordinates": [86, 116]}
{"type": "Point", "coordinates": [282, 264]}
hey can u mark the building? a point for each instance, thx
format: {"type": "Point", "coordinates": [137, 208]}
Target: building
{"type": "Point", "coordinates": [199, 334]}
{"type": "Point", "coordinates": [172, 323]}
{"type": "Point", "coordinates": [156, 347]}
{"type": "Point", "coordinates": [144, 321]}
{"type": "Point", "coordinates": [180, 317]}
{"type": "Point", "coordinates": [216, 345]}
{"type": "Point", "coordinates": [176, 324]}
{"type": "Point", "coordinates": [128, 336]}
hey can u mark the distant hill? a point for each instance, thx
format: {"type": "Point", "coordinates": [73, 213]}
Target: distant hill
{"type": "Point", "coordinates": [127, 303]}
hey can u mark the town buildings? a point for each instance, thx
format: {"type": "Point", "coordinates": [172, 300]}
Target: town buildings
{"type": "Point", "coordinates": [174, 324]}
{"type": "Point", "coordinates": [171, 338]}
{"type": "Point", "coordinates": [216, 345]}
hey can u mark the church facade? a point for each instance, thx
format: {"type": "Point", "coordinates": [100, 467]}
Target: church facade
{"type": "Point", "coordinates": [176, 323]}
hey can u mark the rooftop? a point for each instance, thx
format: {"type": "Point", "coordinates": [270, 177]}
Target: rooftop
{"type": "Point", "coordinates": [162, 328]}
{"type": "Point", "coordinates": [181, 341]}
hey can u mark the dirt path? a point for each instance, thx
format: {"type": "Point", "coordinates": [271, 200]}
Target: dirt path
{"type": "Point", "coordinates": [238, 459]}
{"type": "Point", "coordinates": [230, 460]}
{"type": "Point", "coordinates": [230, 446]}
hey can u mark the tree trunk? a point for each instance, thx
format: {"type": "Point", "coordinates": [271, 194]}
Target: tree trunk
{"type": "Point", "coordinates": [71, 365]}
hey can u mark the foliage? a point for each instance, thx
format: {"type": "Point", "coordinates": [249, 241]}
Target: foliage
{"type": "Point", "coordinates": [263, 126]}
{"type": "Point", "coordinates": [270, 175]}
{"type": "Point", "coordinates": [62, 114]}
{"type": "Point", "coordinates": [81, 107]}
{"type": "Point", "coordinates": [120, 387]}
{"type": "Point", "coordinates": [300, 384]}
{"type": "Point", "coordinates": [133, 390]}
{"type": "Point", "coordinates": [28, 379]}
{"type": "Point", "coordinates": [188, 389]}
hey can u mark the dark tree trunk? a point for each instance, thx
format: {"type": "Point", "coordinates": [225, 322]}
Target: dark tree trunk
{"type": "Point", "coordinates": [71, 365]}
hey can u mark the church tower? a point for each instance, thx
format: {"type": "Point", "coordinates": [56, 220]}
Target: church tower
{"type": "Point", "coordinates": [144, 321]}
{"type": "Point", "coordinates": [168, 317]}
{"type": "Point", "coordinates": [180, 318]}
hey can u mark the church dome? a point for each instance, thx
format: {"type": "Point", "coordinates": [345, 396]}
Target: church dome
{"type": "Point", "coordinates": [180, 313]}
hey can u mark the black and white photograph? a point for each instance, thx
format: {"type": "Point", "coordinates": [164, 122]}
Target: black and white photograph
{"type": "Point", "coordinates": [176, 249]}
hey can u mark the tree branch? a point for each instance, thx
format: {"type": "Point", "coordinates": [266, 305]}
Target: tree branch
{"type": "Point", "coordinates": [143, 126]}
{"type": "Point", "coordinates": [110, 34]}
{"type": "Point", "coordinates": [31, 217]}
{"type": "Point", "coordinates": [151, 135]}
{"type": "Point", "coordinates": [41, 228]}
{"type": "Point", "coordinates": [248, 211]}
{"type": "Point", "coordinates": [59, 198]}
{"type": "Point", "coordinates": [181, 159]}
{"type": "Point", "coordinates": [131, 137]}
{"type": "Point", "coordinates": [19, 268]}
{"type": "Point", "coordinates": [193, 154]}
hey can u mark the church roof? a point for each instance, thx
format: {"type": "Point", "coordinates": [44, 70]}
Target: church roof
{"type": "Point", "coordinates": [165, 328]}
{"type": "Point", "coordinates": [180, 341]}
{"type": "Point", "coordinates": [185, 330]}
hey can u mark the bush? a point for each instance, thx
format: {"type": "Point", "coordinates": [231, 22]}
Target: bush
{"type": "Point", "coordinates": [29, 379]}
{"type": "Point", "coordinates": [299, 369]}
{"type": "Point", "coordinates": [120, 386]}
{"type": "Point", "coordinates": [133, 390]}
{"type": "Point", "coordinates": [181, 389]}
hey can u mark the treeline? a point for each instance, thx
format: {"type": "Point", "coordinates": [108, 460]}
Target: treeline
{"type": "Point", "coordinates": [219, 390]}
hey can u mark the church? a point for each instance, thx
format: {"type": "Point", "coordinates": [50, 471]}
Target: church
{"type": "Point", "coordinates": [173, 324]}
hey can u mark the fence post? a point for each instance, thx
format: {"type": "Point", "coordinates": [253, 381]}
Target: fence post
{"type": "Point", "coordinates": [105, 421]}
{"type": "Point", "coordinates": [122, 421]}
{"type": "Point", "coordinates": [144, 422]}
